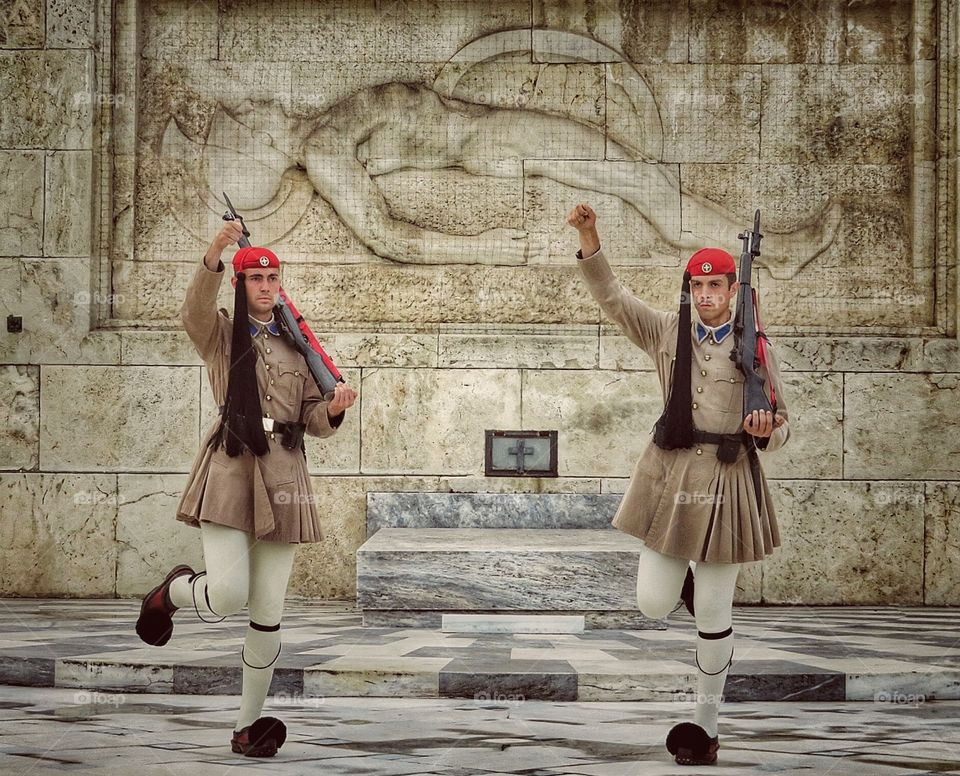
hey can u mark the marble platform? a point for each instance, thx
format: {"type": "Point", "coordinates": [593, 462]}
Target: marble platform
{"type": "Point", "coordinates": [794, 654]}
{"type": "Point", "coordinates": [490, 510]}
{"type": "Point", "coordinates": [411, 576]}
{"type": "Point", "coordinates": [430, 554]}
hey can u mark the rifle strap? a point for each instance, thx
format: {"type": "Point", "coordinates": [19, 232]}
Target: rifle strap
{"type": "Point", "coordinates": [755, 472]}
{"type": "Point", "coordinates": [762, 347]}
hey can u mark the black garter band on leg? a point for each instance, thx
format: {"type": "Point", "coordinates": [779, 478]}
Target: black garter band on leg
{"type": "Point", "coordinates": [263, 629]}
{"type": "Point", "coordinates": [206, 598]}
{"type": "Point", "coordinates": [715, 637]}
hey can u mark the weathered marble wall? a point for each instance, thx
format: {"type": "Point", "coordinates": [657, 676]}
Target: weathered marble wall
{"type": "Point", "coordinates": [413, 163]}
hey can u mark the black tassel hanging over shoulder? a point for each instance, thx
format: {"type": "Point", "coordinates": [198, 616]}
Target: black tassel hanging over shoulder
{"type": "Point", "coordinates": [675, 427]}
{"type": "Point", "coordinates": [241, 425]}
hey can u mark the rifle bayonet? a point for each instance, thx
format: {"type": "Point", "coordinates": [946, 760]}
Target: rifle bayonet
{"type": "Point", "coordinates": [232, 215]}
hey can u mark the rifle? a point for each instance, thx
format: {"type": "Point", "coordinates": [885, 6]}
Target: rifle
{"type": "Point", "coordinates": [293, 326]}
{"type": "Point", "coordinates": [748, 350]}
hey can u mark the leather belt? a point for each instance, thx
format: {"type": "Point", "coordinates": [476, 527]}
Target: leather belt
{"type": "Point", "coordinates": [275, 426]}
{"type": "Point", "coordinates": [727, 455]}
{"type": "Point", "coordinates": [710, 438]}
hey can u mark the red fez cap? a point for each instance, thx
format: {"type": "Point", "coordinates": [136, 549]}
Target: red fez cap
{"type": "Point", "coordinates": [254, 258]}
{"type": "Point", "coordinates": [711, 261]}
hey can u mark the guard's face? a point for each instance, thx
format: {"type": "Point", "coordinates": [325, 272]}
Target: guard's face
{"type": "Point", "coordinates": [712, 293]}
{"type": "Point", "coordinates": [263, 287]}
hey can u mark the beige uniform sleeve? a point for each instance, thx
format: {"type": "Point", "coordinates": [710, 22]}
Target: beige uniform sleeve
{"type": "Point", "coordinates": [313, 412]}
{"type": "Point", "coordinates": [780, 435]}
{"type": "Point", "coordinates": [642, 325]}
{"type": "Point", "coordinates": [199, 311]}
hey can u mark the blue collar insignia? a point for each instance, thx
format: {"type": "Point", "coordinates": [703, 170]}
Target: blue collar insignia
{"type": "Point", "coordinates": [272, 327]}
{"type": "Point", "coordinates": [719, 333]}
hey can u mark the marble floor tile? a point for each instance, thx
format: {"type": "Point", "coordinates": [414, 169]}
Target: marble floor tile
{"type": "Point", "coordinates": [800, 653]}
{"type": "Point", "coordinates": [46, 731]}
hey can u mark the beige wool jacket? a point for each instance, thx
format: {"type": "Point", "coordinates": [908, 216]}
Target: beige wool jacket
{"type": "Point", "coordinates": [268, 496]}
{"type": "Point", "coordinates": [685, 503]}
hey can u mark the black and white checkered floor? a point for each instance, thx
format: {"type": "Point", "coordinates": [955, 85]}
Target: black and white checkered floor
{"type": "Point", "coordinates": [859, 691]}
{"type": "Point", "coordinates": [56, 731]}
{"type": "Point", "coordinates": [782, 654]}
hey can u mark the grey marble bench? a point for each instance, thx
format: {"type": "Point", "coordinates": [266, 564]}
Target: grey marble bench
{"type": "Point", "coordinates": [433, 554]}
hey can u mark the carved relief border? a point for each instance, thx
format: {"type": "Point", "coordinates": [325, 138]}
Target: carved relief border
{"type": "Point", "coordinates": [934, 184]}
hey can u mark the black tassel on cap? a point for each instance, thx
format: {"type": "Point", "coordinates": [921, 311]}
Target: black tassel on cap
{"type": "Point", "coordinates": [675, 427]}
{"type": "Point", "coordinates": [241, 425]}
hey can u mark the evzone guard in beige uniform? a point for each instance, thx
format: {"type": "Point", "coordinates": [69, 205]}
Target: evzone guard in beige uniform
{"type": "Point", "coordinates": [694, 502]}
{"type": "Point", "coordinates": [249, 490]}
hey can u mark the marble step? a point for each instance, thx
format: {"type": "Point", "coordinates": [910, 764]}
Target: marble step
{"type": "Point", "coordinates": [490, 510]}
{"type": "Point", "coordinates": [433, 618]}
{"type": "Point", "coordinates": [511, 623]}
{"type": "Point", "coordinates": [887, 656]}
{"type": "Point", "coordinates": [406, 572]}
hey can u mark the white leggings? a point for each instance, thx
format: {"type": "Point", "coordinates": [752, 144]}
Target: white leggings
{"type": "Point", "coordinates": [659, 582]}
{"type": "Point", "coordinates": [660, 579]}
{"type": "Point", "coordinates": [240, 570]}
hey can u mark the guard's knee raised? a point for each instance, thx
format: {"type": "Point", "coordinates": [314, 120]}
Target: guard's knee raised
{"type": "Point", "coordinates": [225, 600]}
{"type": "Point", "coordinates": [652, 604]}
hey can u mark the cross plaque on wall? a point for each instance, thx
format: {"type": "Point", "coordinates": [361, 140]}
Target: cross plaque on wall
{"type": "Point", "coordinates": [521, 454]}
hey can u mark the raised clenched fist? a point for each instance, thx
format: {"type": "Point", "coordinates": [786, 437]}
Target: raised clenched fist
{"type": "Point", "coordinates": [582, 217]}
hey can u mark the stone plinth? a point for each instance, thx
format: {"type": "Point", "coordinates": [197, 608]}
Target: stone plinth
{"type": "Point", "coordinates": [490, 510]}
{"type": "Point", "coordinates": [431, 571]}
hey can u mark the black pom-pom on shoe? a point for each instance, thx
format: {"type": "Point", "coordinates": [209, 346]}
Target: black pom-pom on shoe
{"type": "Point", "coordinates": [261, 739]}
{"type": "Point", "coordinates": [155, 628]}
{"type": "Point", "coordinates": [691, 745]}
{"type": "Point", "coordinates": [155, 623]}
